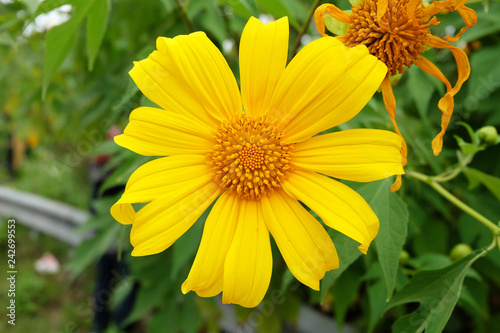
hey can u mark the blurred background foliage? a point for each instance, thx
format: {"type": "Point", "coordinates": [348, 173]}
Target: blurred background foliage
{"type": "Point", "coordinates": [65, 92]}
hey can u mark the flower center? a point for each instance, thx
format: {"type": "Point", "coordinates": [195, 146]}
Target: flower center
{"type": "Point", "coordinates": [249, 157]}
{"type": "Point", "coordinates": [397, 38]}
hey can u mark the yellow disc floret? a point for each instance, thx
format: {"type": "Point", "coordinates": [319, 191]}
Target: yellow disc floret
{"type": "Point", "coordinates": [249, 156]}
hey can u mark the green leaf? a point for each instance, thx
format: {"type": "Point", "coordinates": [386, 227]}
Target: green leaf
{"type": "Point", "coordinates": [149, 297]}
{"type": "Point", "coordinates": [169, 5]}
{"type": "Point", "coordinates": [121, 291]}
{"type": "Point", "coordinates": [167, 315]}
{"type": "Point", "coordinates": [101, 219]}
{"type": "Point", "coordinates": [401, 279]}
{"type": "Point", "coordinates": [474, 298]}
{"type": "Point", "coordinates": [155, 288]}
{"type": "Point", "coordinates": [60, 40]}
{"type": "Point", "coordinates": [97, 21]}
{"type": "Point", "coordinates": [484, 79]}
{"type": "Point", "coordinates": [437, 291]}
{"type": "Point", "coordinates": [430, 260]}
{"type": "Point", "coordinates": [105, 148]}
{"type": "Point", "coordinates": [244, 8]}
{"type": "Point", "coordinates": [286, 280]}
{"type": "Point", "coordinates": [420, 90]}
{"type": "Point", "coordinates": [96, 222]}
{"type": "Point", "coordinates": [298, 9]}
{"type": "Point", "coordinates": [492, 183]}
{"type": "Point", "coordinates": [91, 249]}
{"type": "Point", "coordinates": [335, 26]}
{"type": "Point", "coordinates": [393, 216]}
{"type": "Point", "coordinates": [277, 9]}
{"type": "Point", "coordinates": [348, 252]}
{"type": "Point", "coordinates": [190, 318]}
{"type": "Point", "coordinates": [376, 291]}
{"type": "Point", "coordinates": [48, 5]}
{"type": "Point", "coordinates": [376, 301]}
{"type": "Point", "coordinates": [466, 147]}
{"type": "Point", "coordinates": [251, 6]}
{"type": "Point", "coordinates": [123, 171]}
{"type": "Point", "coordinates": [433, 236]}
{"type": "Point", "coordinates": [473, 233]}
{"type": "Point", "coordinates": [211, 21]}
{"type": "Point", "coordinates": [473, 182]}
{"type": "Point", "coordinates": [407, 321]}
{"type": "Point", "coordinates": [125, 104]}
{"type": "Point", "coordinates": [473, 137]}
{"type": "Point", "coordinates": [344, 293]}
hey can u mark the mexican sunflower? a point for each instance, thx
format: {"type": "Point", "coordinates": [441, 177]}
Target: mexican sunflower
{"type": "Point", "coordinates": [397, 32]}
{"type": "Point", "coordinates": [255, 153]}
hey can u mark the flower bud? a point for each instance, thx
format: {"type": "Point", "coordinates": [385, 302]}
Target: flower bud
{"type": "Point", "coordinates": [488, 135]}
{"type": "Point", "coordinates": [404, 257]}
{"type": "Point", "coordinates": [459, 251]}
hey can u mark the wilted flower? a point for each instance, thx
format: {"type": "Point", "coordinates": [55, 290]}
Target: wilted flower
{"type": "Point", "coordinates": [397, 32]}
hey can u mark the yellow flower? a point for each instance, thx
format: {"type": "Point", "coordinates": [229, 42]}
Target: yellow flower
{"type": "Point", "coordinates": [396, 32]}
{"type": "Point", "coordinates": [257, 162]}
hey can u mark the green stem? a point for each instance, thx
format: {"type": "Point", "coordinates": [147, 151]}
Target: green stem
{"type": "Point", "coordinates": [449, 175]}
{"type": "Point", "coordinates": [120, 238]}
{"type": "Point", "coordinates": [419, 176]}
{"type": "Point", "coordinates": [304, 27]}
{"type": "Point", "coordinates": [492, 245]}
{"type": "Point", "coordinates": [460, 204]}
{"type": "Point", "coordinates": [457, 202]}
{"type": "Point", "coordinates": [182, 9]}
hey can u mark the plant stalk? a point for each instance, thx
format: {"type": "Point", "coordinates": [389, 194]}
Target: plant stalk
{"type": "Point", "coordinates": [457, 202]}
{"type": "Point", "coordinates": [304, 27]}
{"type": "Point", "coordinates": [182, 9]}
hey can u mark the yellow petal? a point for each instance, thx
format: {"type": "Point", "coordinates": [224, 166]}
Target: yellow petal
{"type": "Point", "coordinates": [157, 178]}
{"type": "Point", "coordinates": [338, 205]}
{"type": "Point", "coordinates": [205, 277]}
{"type": "Point", "coordinates": [161, 222]}
{"type": "Point", "coordinates": [189, 75]}
{"type": "Point", "coordinates": [468, 15]}
{"type": "Point", "coordinates": [333, 11]}
{"type": "Point", "coordinates": [212, 290]}
{"type": "Point", "coordinates": [361, 155]}
{"type": "Point", "coordinates": [303, 242]}
{"type": "Point", "coordinates": [155, 132]}
{"type": "Point", "coordinates": [325, 85]}
{"type": "Point", "coordinates": [446, 103]}
{"type": "Point", "coordinates": [263, 54]}
{"type": "Point", "coordinates": [249, 263]}
{"type": "Point", "coordinates": [390, 105]}
{"type": "Point", "coordinates": [123, 213]}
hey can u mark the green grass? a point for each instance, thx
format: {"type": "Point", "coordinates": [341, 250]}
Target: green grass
{"type": "Point", "coordinates": [44, 303]}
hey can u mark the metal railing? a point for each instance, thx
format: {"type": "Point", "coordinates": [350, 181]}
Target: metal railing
{"type": "Point", "coordinates": [44, 215]}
